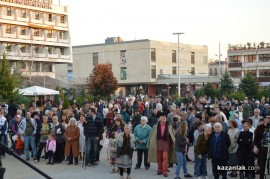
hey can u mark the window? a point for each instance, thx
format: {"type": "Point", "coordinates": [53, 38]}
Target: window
{"type": "Point", "coordinates": [62, 51]}
{"type": "Point", "coordinates": [174, 56]}
{"type": "Point", "coordinates": [37, 15]}
{"type": "Point", "coordinates": [62, 19]}
{"type": "Point", "coordinates": [153, 72]}
{"type": "Point", "coordinates": [235, 59]}
{"type": "Point", "coordinates": [251, 72]}
{"type": "Point", "coordinates": [50, 17]}
{"type": "Point", "coordinates": [47, 67]}
{"type": "Point", "coordinates": [61, 35]}
{"type": "Point", "coordinates": [36, 48]}
{"type": "Point", "coordinates": [264, 73]}
{"type": "Point", "coordinates": [236, 74]}
{"type": "Point", "coordinates": [9, 29]}
{"type": "Point", "coordinates": [49, 33]}
{"type": "Point", "coordinates": [264, 57]}
{"type": "Point", "coordinates": [250, 58]}
{"type": "Point", "coordinates": [23, 31]}
{"type": "Point", "coordinates": [95, 59]}
{"type": "Point", "coordinates": [211, 71]}
{"type": "Point", "coordinates": [192, 58]}
{"type": "Point", "coordinates": [205, 60]}
{"type": "Point", "coordinates": [192, 71]}
{"type": "Point", "coordinates": [23, 13]}
{"type": "Point", "coordinates": [8, 47]}
{"type": "Point", "coordinates": [50, 50]}
{"type": "Point", "coordinates": [70, 75]}
{"type": "Point", "coordinates": [23, 48]}
{"type": "Point", "coordinates": [153, 55]}
{"type": "Point", "coordinates": [174, 70]}
{"type": "Point", "coordinates": [8, 11]}
{"type": "Point", "coordinates": [215, 71]}
{"type": "Point", "coordinates": [36, 32]}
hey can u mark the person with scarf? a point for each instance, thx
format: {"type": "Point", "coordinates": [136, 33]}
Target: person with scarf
{"type": "Point", "coordinates": [161, 145]}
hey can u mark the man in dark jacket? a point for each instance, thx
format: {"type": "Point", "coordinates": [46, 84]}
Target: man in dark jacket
{"type": "Point", "coordinates": [262, 143]}
{"type": "Point", "coordinates": [136, 119]}
{"type": "Point", "coordinates": [93, 130]}
{"type": "Point", "coordinates": [219, 143]}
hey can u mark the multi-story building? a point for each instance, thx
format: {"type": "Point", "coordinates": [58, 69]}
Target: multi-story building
{"type": "Point", "coordinates": [34, 35]}
{"type": "Point", "coordinates": [217, 68]}
{"type": "Point", "coordinates": [243, 59]}
{"type": "Point", "coordinates": [142, 64]}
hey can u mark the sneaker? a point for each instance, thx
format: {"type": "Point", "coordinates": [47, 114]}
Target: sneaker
{"type": "Point", "coordinates": [146, 168]}
{"type": "Point", "coordinates": [177, 178]}
{"type": "Point", "coordinates": [89, 165]}
{"type": "Point", "coordinates": [137, 168]}
{"type": "Point", "coordinates": [188, 176]}
{"type": "Point", "coordinates": [36, 161]}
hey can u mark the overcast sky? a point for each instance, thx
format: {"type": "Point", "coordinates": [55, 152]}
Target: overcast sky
{"type": "Point", "coordinates": [204, 22]}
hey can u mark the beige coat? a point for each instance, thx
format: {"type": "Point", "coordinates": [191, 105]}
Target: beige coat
{"type": "Point", "coordinates": [152, 145]}
{"type": "Point", "coordinates": [74, 132]}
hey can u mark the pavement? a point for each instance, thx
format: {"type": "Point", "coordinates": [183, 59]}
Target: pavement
{"type": "Point", "coordinates": [17, 170]}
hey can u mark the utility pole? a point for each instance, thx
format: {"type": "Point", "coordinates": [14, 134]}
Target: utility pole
{"type": "Point", "coordinates": [179, 80]}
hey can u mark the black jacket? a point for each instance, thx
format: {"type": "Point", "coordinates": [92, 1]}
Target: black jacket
{"type": "Point", "coordinates": [225, 144]}
{"type": "Point", "coordinates": [244, 141]}
{"type": "Point", "coordinates": [93, 128]}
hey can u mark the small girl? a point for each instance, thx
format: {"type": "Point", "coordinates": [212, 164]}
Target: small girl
{"type": "Point", "coordinates": [113, 152]}
{"type": "Point", "coordinates": [50, 149]}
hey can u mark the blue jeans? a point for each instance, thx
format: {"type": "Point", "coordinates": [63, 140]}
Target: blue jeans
{"type": "Point", "coordinates": [200, 164]}
{"type": "Point", "coordinates": [181, 161]}
{"type": "Point", "coordinates": [30, 140]}
{"type": "Point", "coordinates": [91, 149]}
{"type": "Point", "coordinates": [4, 139]}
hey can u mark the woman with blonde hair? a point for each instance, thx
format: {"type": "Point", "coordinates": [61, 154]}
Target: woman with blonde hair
{"type": "Point", "coordinates": [181, 142]}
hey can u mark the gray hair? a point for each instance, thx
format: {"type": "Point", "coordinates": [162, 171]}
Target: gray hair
{"type": "Point", "coordinates": [207, 126]}
{"type": "Point", "coordinates": [257, 109]}
{"type": "Point", "coordinates": [218, 124]}
{"type": "Point", "coordinates": [19, 112]}
{"type": "Point", "coordinates": [144, 118]}
{"type": "Point", "coordinates": [72, 120]}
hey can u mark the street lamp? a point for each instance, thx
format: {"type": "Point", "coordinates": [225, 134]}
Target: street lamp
{"type": "Point", "coordinates": [179, 83]}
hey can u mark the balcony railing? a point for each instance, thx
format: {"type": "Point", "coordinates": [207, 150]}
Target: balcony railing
{"type": "Point", "coordinates": [234, 65]}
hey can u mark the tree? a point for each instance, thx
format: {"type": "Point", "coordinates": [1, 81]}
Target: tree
{"type": "Point", "coordinates": [66, 103]}
{"type": "Point", "coordinates": [101, 81]}
{"type": "Point", "coordinates": [249, 85]}
{"type": "Point", "coordinates": [7, 81]}
{"type": "Point", "coordinates": [209, 90]}
{"type": "Point", "coordinates": [226, 84]}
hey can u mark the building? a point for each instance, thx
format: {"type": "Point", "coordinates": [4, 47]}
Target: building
{"type": "Point", "coordinates": [141, 65]}
{"type": "Point", "coordinates": [243, 59]}
{"type": "Point", "coordinates": [34, 35]}
{"type": "Point", "coordinates": [217, 68]}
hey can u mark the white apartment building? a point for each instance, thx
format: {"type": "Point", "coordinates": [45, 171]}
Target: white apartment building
{"type": "Point", "coordinates": [141, 64]}
{"type": "Point", "coordinates": [34, 35]}
{"type": "Point", "coordinates": [217, 68]}
{"type": "Point", "coordinates": [243, 59]}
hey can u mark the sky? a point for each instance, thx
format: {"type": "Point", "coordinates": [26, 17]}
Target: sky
{"type": "Point", "coordinates": [204, 22]}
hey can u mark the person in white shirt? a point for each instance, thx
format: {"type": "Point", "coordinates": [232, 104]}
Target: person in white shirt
{"type": "Point", "coordinates": [256, 118]}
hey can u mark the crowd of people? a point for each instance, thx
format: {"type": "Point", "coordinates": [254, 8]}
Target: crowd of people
{"type": "Point", "coordinates": [229, 132]}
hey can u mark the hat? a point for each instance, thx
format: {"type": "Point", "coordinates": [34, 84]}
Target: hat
{"type": "Point", "coordinates": [161, 114]}
{"type": "Point", "coordinates": [146, 104]}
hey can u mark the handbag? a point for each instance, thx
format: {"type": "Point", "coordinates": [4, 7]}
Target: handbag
{"type": "Point", "coordinates": [19, 143]}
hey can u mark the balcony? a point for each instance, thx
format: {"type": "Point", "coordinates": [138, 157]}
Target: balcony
{"type": "Point", "coordinates": [235, 65]}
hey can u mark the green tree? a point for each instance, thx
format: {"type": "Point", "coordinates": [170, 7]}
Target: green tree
{"type": "Point", "coordinates": [249, 86]}
{"type": "Point", "coordinates": [101, 81]}
{"type": "Point", "coordinates": [209, 90]}
{"type": "Point", "coordinates": [226, 84]}
{"type": "Point", "coordinates": [7, 81]}
{"type": "Point", "coordinates": [66, 103]}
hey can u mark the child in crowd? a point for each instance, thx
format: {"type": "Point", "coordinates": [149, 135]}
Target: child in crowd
{"type": "Point", "coordinates": [50, 149]}
{"type": "Point", "coordinates": [113, 153]}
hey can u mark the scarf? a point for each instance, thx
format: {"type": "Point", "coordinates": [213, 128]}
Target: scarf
{"type": "Point", "coordinates": [166, 133]}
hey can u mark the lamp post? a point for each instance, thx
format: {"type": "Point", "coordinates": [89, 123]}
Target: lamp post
{"type": "Point", "coordinates": [179, 82]}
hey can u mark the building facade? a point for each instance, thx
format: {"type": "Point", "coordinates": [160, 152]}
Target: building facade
{"type": "Point", "coordinates": [255, 60]}
{"type": "Point", "coordinates": [138, 64]}
{"type": "Point", "coordinates": [217, 68]}
{"type": "Point", "coordinates": [34, 36]}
